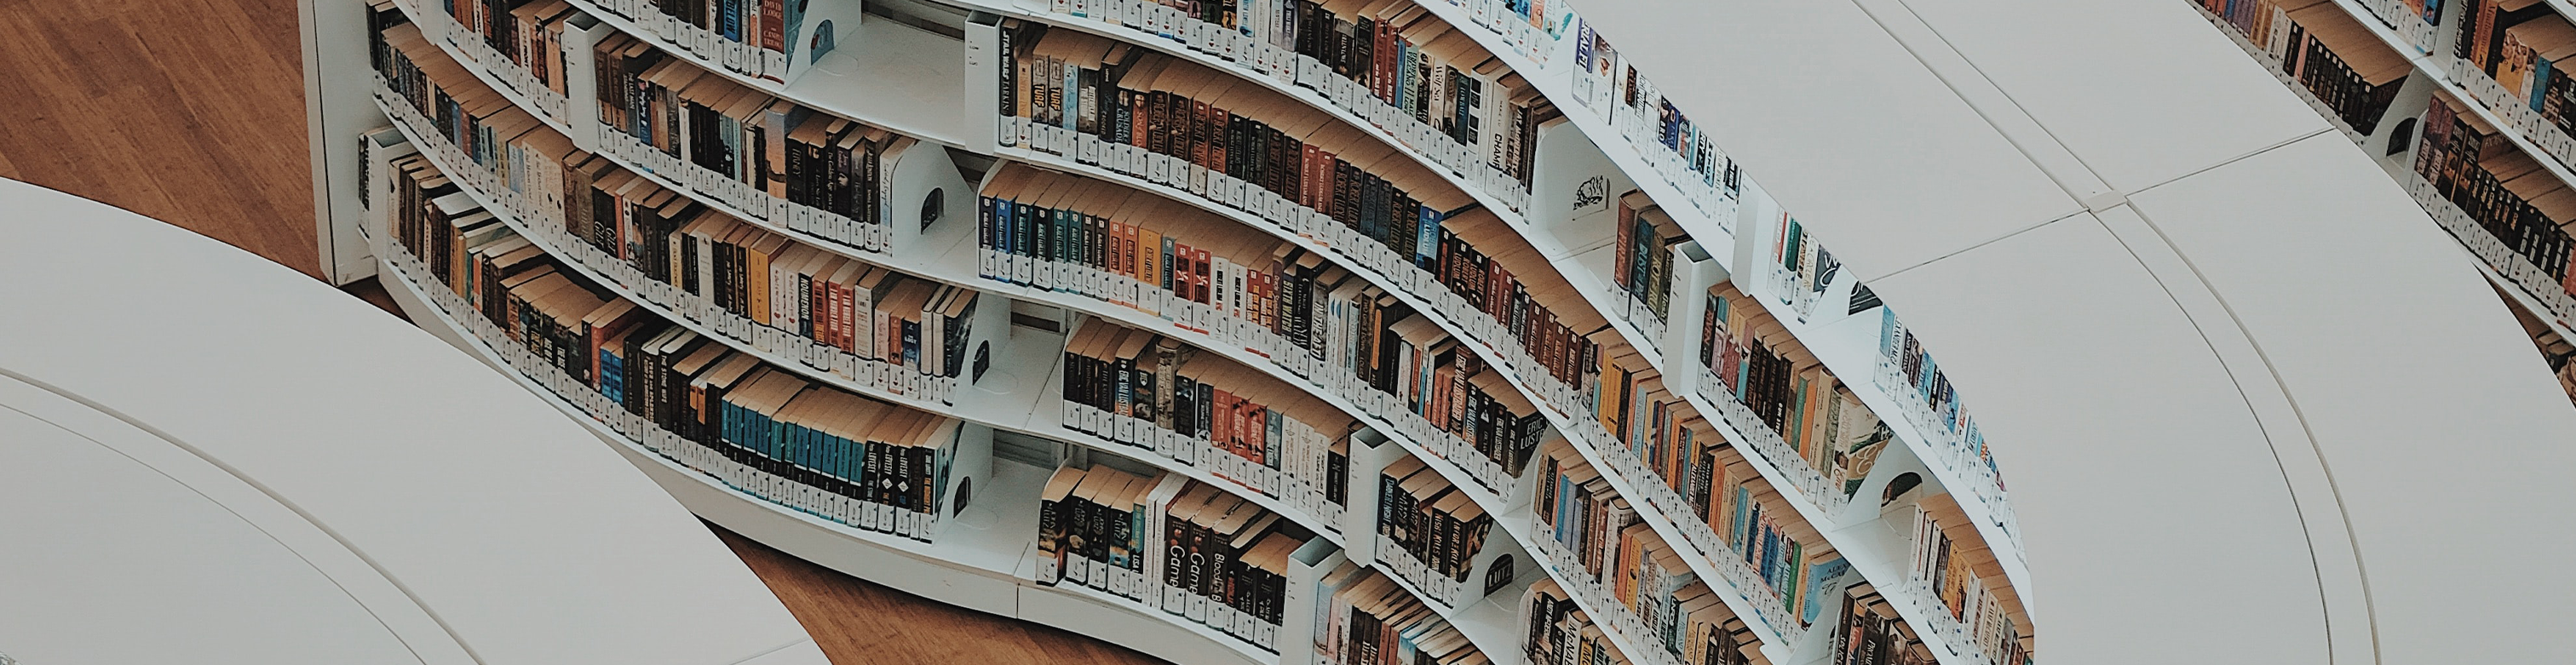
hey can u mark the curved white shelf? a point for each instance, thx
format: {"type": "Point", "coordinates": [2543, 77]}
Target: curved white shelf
{"type": "Point", "coordinates": [887, 74]}
{"type": "Point", "coordinates": [1489, 628]}
{"type": "Point", "coordinates": [2535, 292]}
{"type": "Point", "coordinates": [1769, 618]}
{"type": "Point", "coordinates": [1510, 205]}
{"type": "Point", "coordinates": [245, 434]}
{"type": "Point", "coordinates": [1625, 155]}
{"type": "Point", "coordinates": [1035, 398]}
{"type": "Point", "coordinates": [975, 564]}
{"type": "Point", "coordinates": [1554, 81]}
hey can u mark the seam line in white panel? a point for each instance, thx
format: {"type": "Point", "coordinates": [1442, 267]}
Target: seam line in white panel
{"type": "Point", "coordinates": [771, 650]}
{"type": "Point", "coordinates": [2298, 415]}
{"type": "Point", "coordinates": [272, 496]}
{"type": "Point", "coordinates": [2225, 162]}
{"type": "Point", "coordinates": [1973, 247]}
{"type": "Point", "coordinates": [2060, 179]}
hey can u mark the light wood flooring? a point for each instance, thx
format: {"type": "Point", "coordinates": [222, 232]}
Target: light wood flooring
{"type": "Point", "coordinates": [192, 112]}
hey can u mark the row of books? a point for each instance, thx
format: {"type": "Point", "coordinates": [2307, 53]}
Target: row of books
{"type": "Point", "coordinates": [757, 153]}
{"type": "Point", "coordinates": [1560, 632]}
{"type": "Point", "coordinates": [1151, 391]}
{"type": "Point", "coordinates": [518, 42]}
{"type": "Point", "coordinates": [1822, 423]}
{"type": "Point", "coordinates": [1434, 523]}
{"type": "Point", "coordinates": [1643, 575]}
{"type": "Point", "coordinates": [2322, 47]}
{"type": "Point", "coordinates": [860, 308]}
{"type": "Point", "coordinates": [1389, 62]}
{"type": "Point", "coordinates": [1165, 541]}
{"type": "Point", "coordinates": [1458, 259]}
{"type": "Point", "coordinates": [1681, 152]}
{"type": "Point", "coordinates": [523, 155]}
{"type": "Point", "coordinates": [1872, 633]}
{"type": "Point", "coordinates": [1319, 321]}
{"type": "Point", "coordinates": [1783, 556]}
{"type": "Point", "coordinates": [1925, 398]}
{"type": "Point", "coordinates": [2500, 187]}
{"type": "Point", "coordinates": [1251, 148]}
{"type": "Point", "coordinates": [1641, 265]}
{"type": "Point", "coordinates": [1369, 619]}
{"type": "Point", "coordinates": [1530, 27]}
{"type": "Point", "coordinates": [1702, 475]}
{"type": "Point", "coordinates": [2519, 45]}
{"type": "Point", "coordinates": [1977, 612]}
{"type": "Point", "coordinates": [839, 455]}
{"type": "Point", "coordinates": [747, 37]}
{"type": "Point", "coordinates": [1801, 269]}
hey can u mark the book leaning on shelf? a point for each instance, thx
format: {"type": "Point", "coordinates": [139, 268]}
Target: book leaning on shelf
{"type": "Point", "coordinates": [1165, 541]}
{"type": "Point", "coordinates": [768, 157]}
{"type": "Point", "coordinates": [1307, 315]}
{"type": "Point", "coordinates": [834, 454]}
{"type": "Point", "coordinates": [1141, 389]}
{"type": "Point", "coordinates": [2506, 191]}
{"type": "Point", "coordinates": [870, 311]}
{"type": "Point", "coordinates": [1368, 619]}
{"type": "Point", "coordinates": [1435, 529]}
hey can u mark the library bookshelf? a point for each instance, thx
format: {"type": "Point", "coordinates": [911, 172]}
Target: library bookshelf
{"type": "Point", "coordinates": [1458, 250]}
{"type": "Point", "coordinates": [2467, 114]}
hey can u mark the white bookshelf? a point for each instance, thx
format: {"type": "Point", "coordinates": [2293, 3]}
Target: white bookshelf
{"type": "Point", "coordinates": [2435, 67]}
{"type": "Point", "coordinates": [235, 478]}
{"type": "Point", "coordinates": [921, 84]}
{"type": "Point", "coordinates": [1025, 403]}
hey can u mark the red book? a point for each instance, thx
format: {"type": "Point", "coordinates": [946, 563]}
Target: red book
{"type": "Point", "coordinates": [773, 31]}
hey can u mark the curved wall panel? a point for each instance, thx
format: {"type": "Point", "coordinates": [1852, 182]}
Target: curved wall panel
{"type": "Point", "coordinates": [2247, 396]}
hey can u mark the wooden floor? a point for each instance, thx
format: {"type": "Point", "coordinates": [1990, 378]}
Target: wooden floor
{"type": "Point", "coordinates": [192, 112]}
